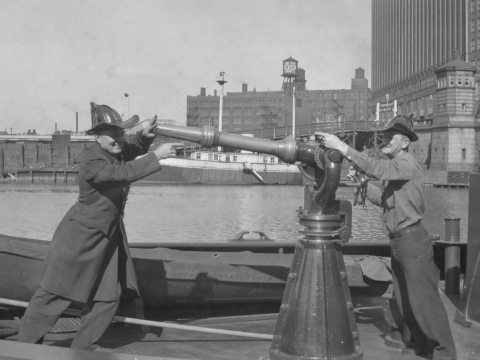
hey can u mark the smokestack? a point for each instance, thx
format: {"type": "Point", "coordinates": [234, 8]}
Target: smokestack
{"type": "Point", "coordinates": [55, 127]}
{"type": "Point", "coordinates": [203, 91]}
{"type": "Point", "coordinates": [215, 92]}
{"type": "Point", "coordinates": [244, 88]}
{"type": "Point", "coordinates": [76, 128]}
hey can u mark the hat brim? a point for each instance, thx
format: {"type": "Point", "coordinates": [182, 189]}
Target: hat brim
{"type": "Point", "coordinates": [123, 125]}
{"type": "Point", "coordinates": [396, 127]}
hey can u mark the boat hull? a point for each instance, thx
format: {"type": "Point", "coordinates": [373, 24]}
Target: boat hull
{"type": "Point", "coordinates": [171, 276]}
{"type": "Point", "coordinates": [211, 172]}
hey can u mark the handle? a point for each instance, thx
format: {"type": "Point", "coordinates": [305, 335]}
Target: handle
{"type": "Point", "coordinates": [239, 236]}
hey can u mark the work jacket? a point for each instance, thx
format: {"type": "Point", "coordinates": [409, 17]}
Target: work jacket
{"type": "Point", "coordinates": [89, 253]}
{"type": "Point", "coordinates": [402, 194]}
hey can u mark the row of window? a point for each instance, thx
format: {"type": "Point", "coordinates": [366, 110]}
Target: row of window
{"type": "Point", "coordinates": [214, 122]}
{"type": "Point", "coordinates": [234, 158]}
{"type": "Point", "coordinates": [326, 103]}
{"type": "Point", "coordinates": [236, 102]}
{"type": "Point", "coordinates": [416, 86]}
{"type": "Point", "coordinates": [233, 112]}
{"type": "Point", "coordinates": [460, 79]}
{"type": "Point", "coordinates": [335, 95]}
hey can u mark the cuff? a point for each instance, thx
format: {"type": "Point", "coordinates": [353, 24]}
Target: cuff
{"type": "Point", "coordinates": [351, 152]}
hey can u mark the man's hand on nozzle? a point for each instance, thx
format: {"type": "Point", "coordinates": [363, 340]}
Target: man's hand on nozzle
{"type": "Point", "coordinates": [332, 142]}
{"type": "Point", "coordinates": [149, 131]}
{"type": "Point", "coordinates": [167, 150]}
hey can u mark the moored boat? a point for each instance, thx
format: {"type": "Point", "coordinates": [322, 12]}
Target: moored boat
{"type": "Point", "coordinates": [208, 167]}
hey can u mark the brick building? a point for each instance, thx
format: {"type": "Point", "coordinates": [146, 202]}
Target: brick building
{"type": "Point", "coordinates": [246, 110]}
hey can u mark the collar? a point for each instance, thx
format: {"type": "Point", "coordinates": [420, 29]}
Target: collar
{"type": "Point", "coordinates": [111, 157]}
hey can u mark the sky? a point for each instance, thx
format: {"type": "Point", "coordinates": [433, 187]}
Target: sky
{"type": "Point", "coordinates": [57, 56]}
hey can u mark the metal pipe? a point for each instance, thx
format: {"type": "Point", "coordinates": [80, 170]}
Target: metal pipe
{"type": "Point", "coordinates": [452, 256]}
{"type": "Point", "coordinates": [127, 320]}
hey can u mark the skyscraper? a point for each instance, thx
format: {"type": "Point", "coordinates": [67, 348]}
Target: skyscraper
{"type": "Point", "coordinates": [422, 58]}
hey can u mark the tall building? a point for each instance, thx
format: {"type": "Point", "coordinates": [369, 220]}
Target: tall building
{"type": "Point", "coordinates": [252, 110]}
{"type": "Point", "coordinates": [423, 57]}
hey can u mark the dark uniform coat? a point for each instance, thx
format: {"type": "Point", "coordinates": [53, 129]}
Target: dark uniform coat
{"type": "Point", "coordinates": [89, 253]}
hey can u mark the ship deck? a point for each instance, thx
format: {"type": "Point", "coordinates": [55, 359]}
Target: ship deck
{"type": "Point", "coordinates": [130, 342]}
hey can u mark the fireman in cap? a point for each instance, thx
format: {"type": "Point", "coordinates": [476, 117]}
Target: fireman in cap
{"type": "Point", "coordinates": [415, 279]}
{"type": "Point", "coordinates": [89, 260]}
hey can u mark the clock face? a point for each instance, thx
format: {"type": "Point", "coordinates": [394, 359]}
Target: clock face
{"type": "Point", "coordinates": [289, 67]}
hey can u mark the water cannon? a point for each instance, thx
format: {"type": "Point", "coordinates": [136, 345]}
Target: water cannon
{"type": "Point", "coordinates": [316, 318]}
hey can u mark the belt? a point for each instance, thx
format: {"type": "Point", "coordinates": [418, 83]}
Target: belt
{"type": "Point", "coordinates": [399, 233]}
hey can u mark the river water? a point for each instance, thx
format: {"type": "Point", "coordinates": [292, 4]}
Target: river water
{"type": "Point", "coordinates": [195, 213]}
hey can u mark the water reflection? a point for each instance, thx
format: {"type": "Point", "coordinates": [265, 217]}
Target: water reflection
{"type": "Point", "coordinates": [208, 213]}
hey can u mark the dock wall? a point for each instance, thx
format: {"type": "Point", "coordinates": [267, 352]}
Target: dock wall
{"type": "Point", "coordinates": [38, 156]}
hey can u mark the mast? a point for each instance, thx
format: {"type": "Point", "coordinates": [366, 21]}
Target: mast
{"type": "Point", "coordinates": [293, 110]}
{"type": "Point", "coordinates": [220, 111]}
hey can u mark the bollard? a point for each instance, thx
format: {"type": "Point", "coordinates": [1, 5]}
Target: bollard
{"type": "Point", "coordinates": [452, 256]}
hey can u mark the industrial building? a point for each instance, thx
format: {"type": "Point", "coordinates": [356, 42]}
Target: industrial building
{"type": "Point", "coordinates": [249, 110]}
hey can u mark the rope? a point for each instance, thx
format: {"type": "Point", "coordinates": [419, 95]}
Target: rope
{"type": "Point", "coordinates": [162, 324]}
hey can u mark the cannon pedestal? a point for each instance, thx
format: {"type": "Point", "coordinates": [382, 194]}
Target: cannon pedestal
{"type": "Point", "coordinates": [316, 319]}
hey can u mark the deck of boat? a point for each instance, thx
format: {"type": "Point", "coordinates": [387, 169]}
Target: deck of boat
{"type": "Point", "coordinates": [128, 342]}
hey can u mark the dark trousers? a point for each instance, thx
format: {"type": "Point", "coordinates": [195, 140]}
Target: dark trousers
{"type": "Point", "coordinates": [415, 284]}
{"type": "Point", "coordinates": [45, 308]}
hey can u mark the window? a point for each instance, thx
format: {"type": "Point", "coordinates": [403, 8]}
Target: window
{"type": "Point", "coordinates": [472, 45]}
{"type": "Point", "coordinates": [464, 107]}
{"type": "Point", "coordinates": [210, 156]}
{"type": "Point", "coordinates": [198, 156]}
{"type": "Point", "coordinates": [272, 160]}
{"type": "Point", "coordinates": [464, 154]}
{"type": "Point", "coordinates": [215, 157]}
{"type": "Point", "coordinates": [265, 159]}
{"type": "Point", "coordinates": [472, 25]}
{"type": "Point", "coordinates": [235, 157]}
